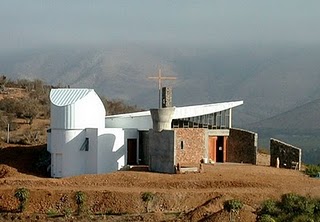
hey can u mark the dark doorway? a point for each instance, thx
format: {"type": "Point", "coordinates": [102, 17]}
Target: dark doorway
{"type": "Point", "coordinates": [132, 151]}
{"type": "Point", "coordinates": [219, 149]}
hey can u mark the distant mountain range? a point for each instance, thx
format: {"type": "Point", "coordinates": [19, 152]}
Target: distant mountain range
{"type": "Point", "coordinates": [305, 118]}
{"type": "Point", "coordinates": [269, 80]}
{"type": "Point", "coordinates": [279, 85]}
{"type": "Point", "coordinates": [299, 126]}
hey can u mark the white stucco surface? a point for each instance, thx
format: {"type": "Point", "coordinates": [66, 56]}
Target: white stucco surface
{"type": "Point", "coordinates": [112, 148]}
{"type": "Point", "coordinates": [82, 110]}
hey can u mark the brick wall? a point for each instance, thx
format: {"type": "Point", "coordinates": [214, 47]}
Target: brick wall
{"type": "Point", "coordinates": [191, 145]}
{"type": "Point", "coordinates": [286, 153]}
{"type": "Point", "coordinates": [242, 146]}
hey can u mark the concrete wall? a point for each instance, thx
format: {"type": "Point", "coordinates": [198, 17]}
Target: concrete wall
{"type": "Point", "coordinates": [161, 151]}
{"type": "Point", "coordinates": [191, 145]}
{"type": "Point", "coordinates": [286, 153]}
{"type": "Point", "coordinates": [242, 146]}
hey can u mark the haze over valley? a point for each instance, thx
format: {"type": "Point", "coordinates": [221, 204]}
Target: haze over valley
{"type": "Point", "coordinates": [270, 81]}
{"type": "Point", "coordinates": [264, 53]}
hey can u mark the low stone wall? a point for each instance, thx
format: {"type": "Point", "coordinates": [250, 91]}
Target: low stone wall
{"type": "Point", "coordinates": [191, 145]}
{"type": "Point", "coordinates": [161, 151]}
{"type": "Point", "coordinates": [289, 156]}
{"type": "Point", "coordinates": [242, 146]}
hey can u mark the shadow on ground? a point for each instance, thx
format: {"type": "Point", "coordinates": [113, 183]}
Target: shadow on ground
{"type": "Point", "coordinates": [32, 160]}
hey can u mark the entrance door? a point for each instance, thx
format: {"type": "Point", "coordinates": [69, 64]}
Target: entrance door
{"type": "Point", "coordinates": [132, 151]}
{"type": "Point", "coordinates": [212, 148]}
{"type": "Point", "coordinates": [220, 149]}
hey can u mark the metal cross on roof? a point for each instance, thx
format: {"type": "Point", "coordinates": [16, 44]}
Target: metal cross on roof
{"type": "Point", "coordinates": [160, 78]}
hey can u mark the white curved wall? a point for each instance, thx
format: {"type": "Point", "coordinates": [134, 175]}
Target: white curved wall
{"type": "Point", "coordinates": [86, 112]}
{"type": "Point", "coordinates": [73, 112]}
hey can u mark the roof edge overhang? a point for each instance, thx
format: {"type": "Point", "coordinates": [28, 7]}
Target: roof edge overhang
{"type": "Point", "coordinates": [199, 110]}
{"type": "Point", "coordinates": [185, 111]}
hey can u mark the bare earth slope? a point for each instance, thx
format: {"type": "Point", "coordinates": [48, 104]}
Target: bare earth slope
{"type": "Point", "coordinates": [197, 195]}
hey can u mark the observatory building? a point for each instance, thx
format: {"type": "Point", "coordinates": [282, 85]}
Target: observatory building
{"type": "Point", "coordinates": [83, 140]}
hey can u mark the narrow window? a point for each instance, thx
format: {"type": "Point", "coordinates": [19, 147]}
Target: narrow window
{"type": "Point", "coordinates": [85, 145]}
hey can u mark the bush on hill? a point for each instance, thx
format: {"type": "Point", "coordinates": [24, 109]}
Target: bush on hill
{"type": "Point", "coordinates": [291, 207]}
{"type": "Point", "coordinates": [313, 170]}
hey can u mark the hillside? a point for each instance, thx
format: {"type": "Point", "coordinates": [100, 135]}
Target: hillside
{"type": "Point", "coordinates": [298, 126]}
{"type": "Point", "coordinates": [118, 196]}
{"type": "Point", "coordinates": [301, 119]}
{"type": "Point", "coordinates": [270, 80]}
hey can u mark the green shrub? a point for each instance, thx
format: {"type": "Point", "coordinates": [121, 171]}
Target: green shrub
{"type": "Point", "coordinates": [233, 205]}
{"type": "Point", "coordinates": [269, 207]}
{"type": "Point", "coordinates": [80, 200]}
{"type": "Point", "coordinates": [147, 196]}
{"type": "Point", "coordinates": [22, 194]}
{"type": "Point", "coordinates": [52, 213]}
{"type": "Point", "coordinates": [317, 206]}
{"type": "Point", "coordinates": [293, 208]}
{"type": "Point", "coordinates": [312, 170]}
{"type": "Point", "coordinates": [67, 212]}
{"type": "Point", "coordinates": [295, 204]}
{"type": "Point", "coordinates": [266, 218]}
{"type": "Point", "coordinates": [303, 218]}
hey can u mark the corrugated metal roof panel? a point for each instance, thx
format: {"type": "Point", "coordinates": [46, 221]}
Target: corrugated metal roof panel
{"type": "Point", "coordinates": [64, 97]}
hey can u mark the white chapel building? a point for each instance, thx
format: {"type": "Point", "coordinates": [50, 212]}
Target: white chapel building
{"type": "Point", "coordinates": [83, 140]}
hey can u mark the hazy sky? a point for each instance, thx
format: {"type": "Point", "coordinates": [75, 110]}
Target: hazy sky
{"type": "Point", "coordinates": [34, 23]}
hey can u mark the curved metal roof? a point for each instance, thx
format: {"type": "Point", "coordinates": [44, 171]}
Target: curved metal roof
{"type": "Point", "coordinates": [66, 96]}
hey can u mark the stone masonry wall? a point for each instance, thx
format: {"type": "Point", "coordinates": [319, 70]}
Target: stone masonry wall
{"type": "Point", "coordinates": [191, 145]}
{"type": "Point", "coordinates": [288, 155]}
{"type": "Point", "coordinates": [242, 146]}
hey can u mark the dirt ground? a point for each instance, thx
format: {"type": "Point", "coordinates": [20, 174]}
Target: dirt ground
{"type": "Point", "coordinates": [118, 196]}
